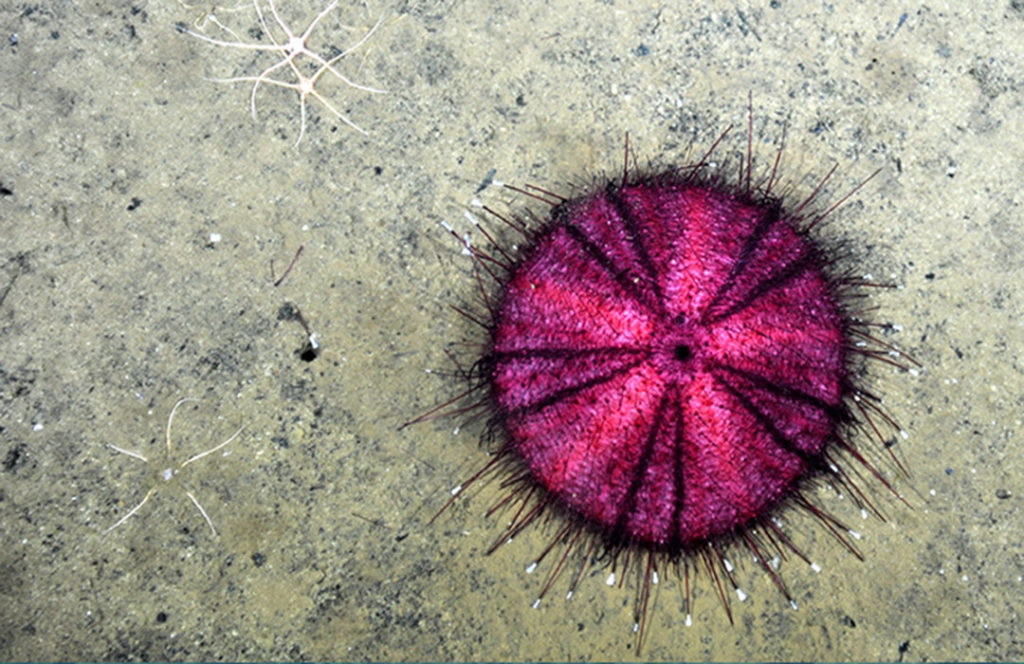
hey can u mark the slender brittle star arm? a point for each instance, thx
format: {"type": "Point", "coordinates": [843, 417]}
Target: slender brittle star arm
{"type": "Point", "coordinates": [199, 507]}
{"type": "Point", "coordinates": [170, 418]}
{"type": "Point", "coordinates": [341, 116]}
{"type": "Point", "coordinates": [257, 81]}
{"type": "Point", "coordinates": [328, 65]}
{"type": "Point", "coordinates": [133, 510]}
{"type": "Point", "coordinates": [181, 27]}
{"type": "Point", "coordinates": [199, 456]}
{"type": "Point", "coordinates": [128, 452]}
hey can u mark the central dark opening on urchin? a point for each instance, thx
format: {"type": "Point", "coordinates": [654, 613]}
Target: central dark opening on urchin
{"type": "Point", "coordinates": [682, 353]}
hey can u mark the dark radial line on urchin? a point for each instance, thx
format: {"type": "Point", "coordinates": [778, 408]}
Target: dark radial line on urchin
{"type": "Point", "coordinates": [742, 261]}
{"type": "Point", "coordinates": [778, 390]}
{"type": "Point", "coordinates": [632, 228]}
{"type": "Point", "coordinates": [639, 469]}
{"type": "Point", "coordinates": [621, 277]}
{"type": "Point", "coordinates": [768, 424]}
{"type": "Point", "coordinates": [566, 353]}
{"type": "Point", "coordinates": [773, 282]}
{"type": "Point", "coordinates": [679, 471]}
{"type": "Point", "coordinates": [572, 390]}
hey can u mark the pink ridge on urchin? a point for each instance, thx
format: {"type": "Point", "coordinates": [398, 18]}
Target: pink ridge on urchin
{"type": "Point", "coordinates": [670, 360]}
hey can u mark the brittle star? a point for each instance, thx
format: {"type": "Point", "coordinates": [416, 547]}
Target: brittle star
{"type": "Point", "coordinates": [167, 474]}
{"type": "Point", "coordinates": [291, 48]}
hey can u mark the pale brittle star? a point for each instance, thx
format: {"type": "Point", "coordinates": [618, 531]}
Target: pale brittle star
{"type": "Point", "coordinates": [169, 473]}
{"type": "Point", "coordinates": [290, 50]}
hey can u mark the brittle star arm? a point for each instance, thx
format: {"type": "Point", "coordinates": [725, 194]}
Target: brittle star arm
{"type": "Point", "coordinates": [128, 452]}
{"type": "Point", "coordinates": [190, 495]}
{"type": "Point", "coordinates": [259, 80]}
{"type": "Point", "coordinates": [170, 418]}
{"type": "Point", "coordinates": [199, 507]}
{"type": "Point", "coordinates": [328, 64]}
{"type": "Point", "coordinates": [199, 456]}
{"type": "Point", "coordinates": [149, 494]}
{"type": "Point", "coordinates": [181, 27]}
{"type": "Point", "coordinates": [137, 507]}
